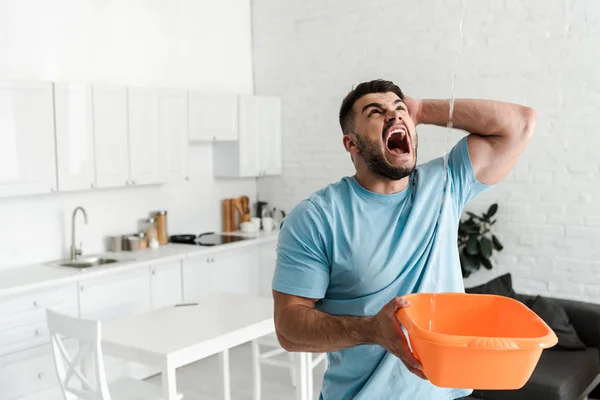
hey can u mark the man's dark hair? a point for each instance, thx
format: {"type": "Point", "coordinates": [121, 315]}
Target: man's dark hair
{"type": "Point", "coordinates": [376, 86]}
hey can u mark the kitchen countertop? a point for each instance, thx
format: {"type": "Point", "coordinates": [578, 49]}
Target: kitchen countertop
{"type": "Point", "coordinates": [38, 276]}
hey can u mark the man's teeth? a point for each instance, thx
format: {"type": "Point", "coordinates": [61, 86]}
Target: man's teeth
{"type": "Point", "coordinates": [401, 131]}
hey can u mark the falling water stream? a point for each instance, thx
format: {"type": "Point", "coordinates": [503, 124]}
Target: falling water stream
{"type": "Point", "coordinates": [435, 260]}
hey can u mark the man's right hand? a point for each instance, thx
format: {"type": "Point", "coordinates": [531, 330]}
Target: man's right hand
{"type": "Point", "coordinates": [389, 335]}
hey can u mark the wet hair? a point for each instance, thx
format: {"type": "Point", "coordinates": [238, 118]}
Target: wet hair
{"type": "Point", "coordinates": [375, 86]}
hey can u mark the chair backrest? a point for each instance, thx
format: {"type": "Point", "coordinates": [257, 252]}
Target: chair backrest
{"type": "Point", "coordinates": [82, 375]}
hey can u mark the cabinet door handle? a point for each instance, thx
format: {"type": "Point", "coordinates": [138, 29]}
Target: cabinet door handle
{"type": "Point", "coordinates": [81, 289]}
{"type": "Point", "coordinates": [41, 375]}
{"type": "Point", "coordinates": [35, 304]}
{"type": "Point", "coordinates": [153, 272]}
{"type": "Point", "coordinates": [37, 332]}
{"type": "Point", "coordinates": [133, 182]}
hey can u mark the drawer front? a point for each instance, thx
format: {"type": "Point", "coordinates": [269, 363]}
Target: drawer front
{"type": "Point", "coordinates": [27, 330]}
{"type": "Point", "coordinates": [38, 299]}
{"type": "Point", "coordinates": [120, 296]}
{"type": "Point", "coordinates": [23, 318]}
{"type": "Point", "coordinates": [27, 373]}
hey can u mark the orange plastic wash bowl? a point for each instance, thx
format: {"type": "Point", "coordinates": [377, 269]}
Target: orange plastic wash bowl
{"type": "Point", "coordinates": [476, 341]}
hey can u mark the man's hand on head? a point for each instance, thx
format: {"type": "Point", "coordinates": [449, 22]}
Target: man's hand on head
{"type": "Point", "coordinates": [414, 108]}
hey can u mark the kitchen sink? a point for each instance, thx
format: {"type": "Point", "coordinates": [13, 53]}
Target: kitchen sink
{"type": "Point", "coordinates": [87, 262]}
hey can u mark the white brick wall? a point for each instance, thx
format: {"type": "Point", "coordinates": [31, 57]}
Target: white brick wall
{"type": "Point", "coordinates": [543, 54]}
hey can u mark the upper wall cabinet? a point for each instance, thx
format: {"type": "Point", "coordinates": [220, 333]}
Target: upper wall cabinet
{"type": "Point", "coordinates": [27, 144]}
{"type": "Point", "coordinates": [146, 160]}
{"type": "Point", "coordinates": [111, 138]}
{"type": "Point", "coordinates": [74, 136]}
{"type": "Point", "coordinates": [173, 126]}
{"type": "Point", "coordinates": [213, 116]}
{"type": "Point", "coordinates": [258, 150]}
{"type": "Point", "coordinates": [270, 153]}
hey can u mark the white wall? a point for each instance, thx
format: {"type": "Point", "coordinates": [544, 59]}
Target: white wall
{"type": "Point", "coordinates": [162, 43]}
{"type": "Point", "coordinates": [542, 54]}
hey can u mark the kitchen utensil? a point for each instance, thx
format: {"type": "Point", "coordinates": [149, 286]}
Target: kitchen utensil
{"type": "Point", "coordinates": [261, 207]}
{"type": "Point", "coordinates": [245, 200]}
{"type": "Point", "coordinates": [267, 224]}
{"type": "Point", "coordinates": [115, 243]}
{"type": "Point", "coordinates": [161, 227]}
{"type": "Point", "coordinates": [133, 243]}
{"type": "Point", "coordinates": [248, 227]}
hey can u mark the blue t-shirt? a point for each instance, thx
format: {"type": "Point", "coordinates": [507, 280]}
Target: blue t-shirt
{"type": "Point", "coordinates": [355, 250]}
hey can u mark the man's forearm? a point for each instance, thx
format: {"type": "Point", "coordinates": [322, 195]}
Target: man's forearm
{"type": "Point", "coordinates": [480, 117]}
{"type": "Point", "coordinates": [302, 328]}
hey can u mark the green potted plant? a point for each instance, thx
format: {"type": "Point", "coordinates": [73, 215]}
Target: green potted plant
{"type": "Point", "coordinates": [476, 242]}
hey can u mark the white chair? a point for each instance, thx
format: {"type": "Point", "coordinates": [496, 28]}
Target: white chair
{"type": "Point", "coordinates": [268, 358]}
{"type": "Point", "coordinates": [83, 376]}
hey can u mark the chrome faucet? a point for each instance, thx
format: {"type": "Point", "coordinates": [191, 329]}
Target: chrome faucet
{"type": "Point", "coordinates": [76, 252]}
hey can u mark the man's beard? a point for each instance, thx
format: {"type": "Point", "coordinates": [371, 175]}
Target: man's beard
{"type": "Point", "coordinates": [376, 162]}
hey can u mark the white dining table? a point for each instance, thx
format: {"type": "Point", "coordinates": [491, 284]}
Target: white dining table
{"type": "Point", "coordinates": [172, 337]}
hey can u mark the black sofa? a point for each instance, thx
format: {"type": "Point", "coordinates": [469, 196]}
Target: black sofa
{"type": "Point", "coordinates": [571, 369]}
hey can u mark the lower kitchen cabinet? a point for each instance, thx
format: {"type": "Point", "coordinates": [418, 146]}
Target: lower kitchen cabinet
{"type": "Point", "coordinates": [27, 373]}
{"type": "Point", "coordinates": [196, 277]}
{"type": "Point", "coordinates": [234, 271]}
{"type": "Point", "coordinates": [165, 284]}
{"type": "Point", "coordinates": [115, 296]}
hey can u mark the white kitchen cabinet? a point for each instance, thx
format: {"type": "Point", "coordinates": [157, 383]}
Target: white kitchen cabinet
{"type": "Point", "coordinates": [196, 277]}
{"type": "Point", "coordinates": [213, 116]}
{"type": "Point", "coordinates": [270, 154]}
{"type": "Point", "coordinates": [115, 296]}
{"type": "Point", "coordinates": [28, 373]}
{"type": "Point", "coordinates": [146, 158]}
{"type": "Point", "coordinates": [165, 284]}
{"type": "Point", "coordinates": [27, 142]}
{"type": "Point", "coordinates": [173, 126]}
{"type": "Point", "coordinates": [267, 259]}
{"type": "Point", "coordinates": [23, 317]}
{"type": "Point", "coordinates": [258, 150]}
{"type": "Point", "coordinates": [236, 272]}
{"type": "Point", "coordinates": [111, 136]}
{"type": "Point", "coordinates": [74, 136]}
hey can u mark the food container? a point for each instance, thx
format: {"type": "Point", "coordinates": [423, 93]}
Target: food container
{"type": "Point", "coordinates": [132, 243]}
{"type": "Point", "coordinates": [115, 243]}
{"type": "Point", "coordinates": [475, 341]}
{"type": "Point", "coordinates": [161, 227]}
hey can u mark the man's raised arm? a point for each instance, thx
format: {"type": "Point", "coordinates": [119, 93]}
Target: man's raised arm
{"type": "Point", "coordinates": [499, 131]}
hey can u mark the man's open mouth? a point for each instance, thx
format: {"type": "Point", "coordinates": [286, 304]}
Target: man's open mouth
{"type": "Point", "coordinates": [397, 140]}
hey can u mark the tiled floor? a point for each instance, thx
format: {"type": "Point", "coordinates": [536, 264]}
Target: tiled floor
{"type": "Point", "coordinates": [202, 380]}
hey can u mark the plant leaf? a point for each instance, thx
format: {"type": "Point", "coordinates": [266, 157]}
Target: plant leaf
{"type": "Point", "coordinates": [472, 228]}
{"type": "Point", "coordinates": [472, 248]}
{"type": "Point", "coordinates": [497, 245]}
{"type": "Point", "coordinates": [485, 245]}
{"type": "Point", "coordinates": [492, 210]}
{"type": "Point", "coordinates": [469, 263]}
{"type": "Point", "coordinates": [486, 262]}
{"type": "Point", "coordinates": [470, 214]}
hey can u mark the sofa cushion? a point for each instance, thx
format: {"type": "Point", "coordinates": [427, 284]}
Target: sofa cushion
{"type": "Point", "coordinates": [501, 286]}
{"type": "Point", "coordinates": [559, 375]}
{"type": "Point", "coordinates": [556, 317]}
